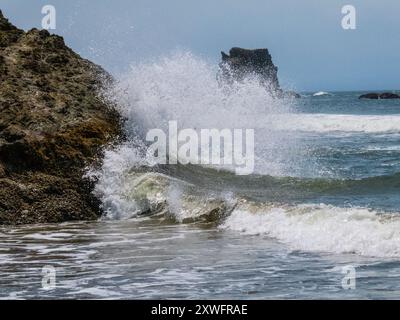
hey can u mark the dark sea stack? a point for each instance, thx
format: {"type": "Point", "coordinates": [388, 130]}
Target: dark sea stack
{"type": "Point", "coordinates": [244, 62]}
{"type": "Point", "coordinates": [385, 95]}
{"type": "Point", "coordinates": [53, 123]}
{"type": "Point", "coordinates": [241, 63]}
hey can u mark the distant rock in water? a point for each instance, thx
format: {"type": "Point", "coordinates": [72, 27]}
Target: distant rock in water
{"type": "Point", "coordinates": [53, 123]}
{"type": "Point", "coordinates": [369, 96]}
{"type": "Point", "coordinates": [385, 95]}
{"type": "Point", "coordinates": [389, 95]}
{"type": "Point", "coordinates": [241, 63]}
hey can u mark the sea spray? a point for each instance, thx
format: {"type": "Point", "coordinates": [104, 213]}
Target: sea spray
{"type": "Point", "coordinates": [183, 88]}
{"type": "Point", "coordinates": [207, 147]}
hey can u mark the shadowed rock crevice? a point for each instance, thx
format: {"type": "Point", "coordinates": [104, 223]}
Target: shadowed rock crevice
{"type": "Point", "coordinates": [53, 123]}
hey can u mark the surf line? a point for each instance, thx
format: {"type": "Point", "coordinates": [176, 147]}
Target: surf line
{"type": "Point", "coordinates": [227, 147]}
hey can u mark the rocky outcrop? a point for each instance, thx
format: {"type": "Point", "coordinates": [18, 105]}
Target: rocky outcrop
{"type": "Point", "coordinates": [241, 63]}
{"type": "Point", "coordinates": [389, 95]}
{"type": "Point", "coordinates": [385, 95]}
{"type": "Point", "coordinates": [53, 123]}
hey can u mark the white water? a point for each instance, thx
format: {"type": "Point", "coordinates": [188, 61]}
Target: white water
{"type": "Point", "coordinates": [337, 122]}
{"type": "Point", "coordinates": [321, 93]}
{"type": "Point", "coordinates": [322, 228]}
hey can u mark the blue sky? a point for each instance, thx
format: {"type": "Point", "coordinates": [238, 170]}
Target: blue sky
{"type": "Point", "coordinates": [305, 37]}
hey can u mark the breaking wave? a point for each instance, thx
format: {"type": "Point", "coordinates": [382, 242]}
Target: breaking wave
{"type": "Point", "coordinates": [322, 228]}
{"type": "Point", "coordinates": [321, 93]}
{"type": "Point", "coordinates": [184, 88]}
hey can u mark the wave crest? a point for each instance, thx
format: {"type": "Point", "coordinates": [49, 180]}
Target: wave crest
{"type": "Point", "coordinates": [321, 228]}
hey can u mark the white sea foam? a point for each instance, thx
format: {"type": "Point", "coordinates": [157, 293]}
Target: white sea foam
{"type": "Point", "coordinates": [383, 148]}
{"type": "Point", "coordinates": [337, 123]}
{"type": "Point", "coordinates": [322, 228]}
{"type": "Point", "coordinates": [113, 182]}
{"type": "Point", "coordinates": [321, 93]}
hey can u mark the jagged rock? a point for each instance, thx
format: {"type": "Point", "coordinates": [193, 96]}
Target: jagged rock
{"type": "Point", "coordinates": [385, 95]}
{"type": "Point", "coordinates": [53, 122]}
{"type": "Point", "coordinates": [242, 63]}
{"type": "Point", "coordinates": [9, 33]}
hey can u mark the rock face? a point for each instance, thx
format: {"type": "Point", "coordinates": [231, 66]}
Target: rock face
{"type": "Point", "coordinates": [385, 95]}
{"type": "Point", "coordinates": [53, 122]}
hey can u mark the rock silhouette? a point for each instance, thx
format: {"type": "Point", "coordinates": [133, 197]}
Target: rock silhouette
{"type": "Point", "coordinates": [385, 95]}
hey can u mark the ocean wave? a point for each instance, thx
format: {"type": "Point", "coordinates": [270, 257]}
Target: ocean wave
{"type": "Point", "coordinates": [321, 228]}
{"type": "Point", "coordinates": [129, 186]}
{"type": "Point", "coordinates": [189, 194]}
{"type": "Point", "coordinates": [321, 93]}
{"type": "Point", "coordinates": [181, 88]}
{"type": "Point", "coordinates": [262, 183]}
